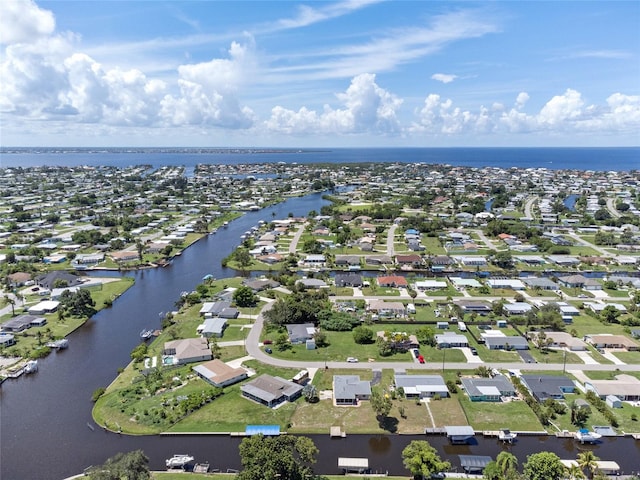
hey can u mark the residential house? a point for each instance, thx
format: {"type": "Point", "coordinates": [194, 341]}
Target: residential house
{"type": "Point", "coordinates": [378, 260]}
{"type": "Point", "coordinates": [612, 341]}
{"type": "Point", "coordinates": [271, 391]}
{"type": "Point", "coordinates": [22, 322]}
{"type": "Point", "coordinates": [221, 308]}
{"type": "Point", "coordinates": [7, 339]}
{"type": "Point", "coordinates": [508, 283]}
{"type": "Point", "coordinates": [18, 279]}
{"type": "Point", "coordinates": [42, 308]}
{"type": "Point", "coordinates": [347, 260]}
{"type": "Point", "coordinates": [475, 306]}
{"type": "Point", "coordinates": [507, 342]}
{"type": "Point", "coordinates": [548, 386]}
{"type": "Point", "coordinates": [261, 284]}
{"type": "Point", "coordinates": [451, 340]}
{"type": "Point", "coordinates": [301, 332]}
{"type": "Point", "coordinates": [348, 279]}
{"type": "Point", "coordinates": [312, 283]}
{"type": "Point", "coordinates": [625, 387]}
{"type": "Point", "coordinates": [58, 278]}
{"type": "Point", "coordinates": [412, 261]}
{"type": "Point", "coordinates": [400, 340]}
{"type": "Point", "coordinates": [387, 309]}
{"type": "Point", "coordinates": [188, 350]}
{"type": "Point", "coordinates": [424, 285]}
{"type": "Point", "coordinates": [560, 340]}
{"type": "Point", "coordinates": [219, 374]}
{"type": "Point", "coordinates": [212, 327]}
{"type": "Point", "coordinates": [392, 281]}
{"type": "Point", "coordinates": [421, 386]}
{"type": "Point", "coordinates": [350, 390]}
{"type": "Point", "coordinates": [488, 389]}
{"type": "Point", "coordinates": [516, 308]}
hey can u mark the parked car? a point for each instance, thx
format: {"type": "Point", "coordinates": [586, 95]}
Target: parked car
{"type": "Point", "coordinates": [352, 360]}
{"type": "Point", "coordinates": [268, 350]}
{"type": "Point", "coordinates": [473, 351]}
{"type": "Point", "coordinates": [416, 352]}
{"type": "Point", "coordinates": [420, 358]}
{"type": "Point", "coordinates": [267, 342]}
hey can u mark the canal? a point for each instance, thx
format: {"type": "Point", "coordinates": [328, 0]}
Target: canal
{"type": "Point", "coordinates": [46, 430]}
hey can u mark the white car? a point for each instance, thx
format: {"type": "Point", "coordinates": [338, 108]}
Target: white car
{"type": "Point", "coordinates": [352, 360]}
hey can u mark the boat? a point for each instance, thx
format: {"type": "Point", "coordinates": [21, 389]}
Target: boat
{"type": "Point", "coordinates": [585, 436]}
{"type": "Point", "coordinates": [179, 460]}
{"type": "Point", "coordinates": [146, 334]}
{"type": "Point", "coordinates": [505, 435]}
{"type": "Point", "coordinates": [59, 344]}
{"type": "Point", "coordinates": [31, 366]}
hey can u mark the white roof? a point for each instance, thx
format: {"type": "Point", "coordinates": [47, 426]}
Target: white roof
{"type": "Point", "coordinates": [489, 390]}
{"type": "Point", "coordinates": [350, 462]}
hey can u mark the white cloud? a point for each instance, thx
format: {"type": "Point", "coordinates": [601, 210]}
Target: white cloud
{"type": "Point", "coordinates": [562, 113]}
{"type": "Point", "coordinates": [308, 15]}
{"type": "Point", "coordinates": [22, 21]}
{"type": "Point", "coordinates": [444, 77]}
{"type": "Point", "coordinates": [368, 108]}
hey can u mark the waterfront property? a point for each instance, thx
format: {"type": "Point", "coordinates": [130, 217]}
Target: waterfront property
{"type": "Point", "coordinates": [624, 387]}
{"type": "Point", "coordinates": [548, 386]}
{"type": "Point", "coordinates": [459, 434]}
{"type": "Point", "coordinates": [212, 327]}
{"type": "Point", "coordinates": [488, 389]}
{"type": "Point", "coordinates": [421, 386]}
{"type": "Point", "coordinates": [350, 390]}
{"type": "Point", "coordinates": [22, 322]}
{"type": "Point", "coordinates": [187, 350]}
{"type": "Point", "coordinates": [271, 391]}
{"type": "Point", "coordinates": [219, 374]}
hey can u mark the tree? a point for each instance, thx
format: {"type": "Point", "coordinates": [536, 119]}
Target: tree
{"type": "Point", "coordinates": [588, 461]}
{"type": "Point", "coordinates": [492, 471]}
{"type": "Point", "coordinates": [420, 458]}
{"type": "Point", "coordinates": [381, 404]}
{"type": "Point", "coordinates": [7, 300]}
{"type": "Point", "coordinates": [284, 457]}
{"type": "Point", "coordinates": [503, 259]}
{"type": "Point", "coordinates": [310, 393]}
{"type": "Point", "coordinates": [129, 466]}
{"type": "Point", "coordinates": [574, 472]}
{"type": "Point", "coordinates": [363, 335]}
{"type": "Point", "coordinates": [507, 462]}
{"type": "Point", "coordinates": [215, 348]}
{"type": "Point", "coordinates": [610, 314]}
{"type": "Point", "coordinates": [244, 297]}
{"type": "Point", "coordinates": [543, 466]}
{"type": "Point", "coordinates": [243, 257]}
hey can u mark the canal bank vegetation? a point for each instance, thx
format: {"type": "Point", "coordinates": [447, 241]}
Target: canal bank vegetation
{"type": "Point", "coordinates": [74, 310]}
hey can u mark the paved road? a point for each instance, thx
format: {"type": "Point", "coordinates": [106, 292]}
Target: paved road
{"type": "Point", "coordinates": [528, 206]}
{"type": "Point", "coordinates": [584, 243]}
{"type": "Point", "coordinates": [391, 235]}
{"type": "Point", "coordinates": [296, 238]}
{"type": "Point", "coordinates": [254, 350]}
{"type": "Point", "coordinates": [483, 238]}
{"type": "Point", "coordinates": [611, 206]}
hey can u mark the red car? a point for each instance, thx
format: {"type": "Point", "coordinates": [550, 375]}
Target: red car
{"type": "Point", "coordinates": [420, 358]}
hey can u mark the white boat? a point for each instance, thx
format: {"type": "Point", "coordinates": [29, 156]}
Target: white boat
{"type": "Point", "coordinates": [585, 436]}
{"type": "Point", "coordinates": [178, 460]}
{"type": "Point", "coordinates": [59, 344]}
{"type": "Point", "coordinates": [505, 435]}
{"type": "Point", "coordinates": [31, 366]}
{"type": "Point", "coordinates": [146, 334]}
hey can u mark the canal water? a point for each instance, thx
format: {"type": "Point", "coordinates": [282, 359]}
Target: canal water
{"type": "Point", "coordinates": [46, 430]}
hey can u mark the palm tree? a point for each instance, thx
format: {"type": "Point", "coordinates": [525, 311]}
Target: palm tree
{"type": "Point", "coordinates": [588, 461]}
{"type": "Point", "coordinates": [7, 300]}
{"type": "Point", "coordinates": [574, 472]}
{"type": "Point", "coordinates": [507, 462]}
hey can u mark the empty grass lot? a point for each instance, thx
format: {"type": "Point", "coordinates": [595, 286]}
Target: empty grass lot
{"type": "Point", "coordinates": [515, 415]}
{"type": "Point", "coordinates": [448, 411]}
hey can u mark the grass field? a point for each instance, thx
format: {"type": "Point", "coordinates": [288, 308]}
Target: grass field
{"type": "Point", "coordinates": [515, 415]}
{"type": "Point", "coordinates": [448, 411]}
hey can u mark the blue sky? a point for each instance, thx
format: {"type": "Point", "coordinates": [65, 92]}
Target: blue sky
{"type": "Point", "coordinates": [312, 74]}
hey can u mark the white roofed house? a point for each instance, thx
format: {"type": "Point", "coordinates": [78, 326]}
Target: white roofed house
{"type": "Point", "coordinates": [516, 308]}
{"type": "Point", "coordinates": [421, 386]}
{"type": "Point", "coordinates": [451, 340]}
{"type": "Point", "coordinates": [508, 283]}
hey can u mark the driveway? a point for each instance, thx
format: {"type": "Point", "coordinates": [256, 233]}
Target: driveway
{"type": "Point", "coordinates": [586, 358]}
{"type": "Point", "coordinates": [471, 358]}
{"type": "Point", "coordinates": [526, 357]}
{"type": "Point", "coordinates": [610, 356]}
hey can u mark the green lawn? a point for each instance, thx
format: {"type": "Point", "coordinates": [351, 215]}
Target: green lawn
{"type": "Point", "coordinates": [447, 411]}
{"type": "Point", "coordinates": [554, 356]}
{"type": "Point", "coordinates": [628, 357]}
{"type": "Point", "coordinates": [515, 415]}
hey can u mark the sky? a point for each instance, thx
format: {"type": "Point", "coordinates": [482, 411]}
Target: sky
{"type": "Point", "coordinates": [353, 73]}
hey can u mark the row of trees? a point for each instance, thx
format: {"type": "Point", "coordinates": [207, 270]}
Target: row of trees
{"type": "Point", "coordinates": [292, 457]}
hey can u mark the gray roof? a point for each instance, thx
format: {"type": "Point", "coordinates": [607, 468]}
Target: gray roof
{"type": "Point", "coordinates": [459, 431]}
{"type": "Point", "coordinates": [514, 340]}
{"type": "Point", "coordinates": [350, 386]}
{"type": "Point", "coordinates": [214, 325]}
{"type": "Point", "coordinates": [403, 380]}
{"type": "Point", "coordinates": [545, 385]}
{"type": "Point", "coordinates": [270, 388]}
{"type": "Point", "coordinates": [501, 382]}
{"type": "Point", "coordinates": [474, 461]}
{"type": "Point", "coordinates": [300, 331]}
